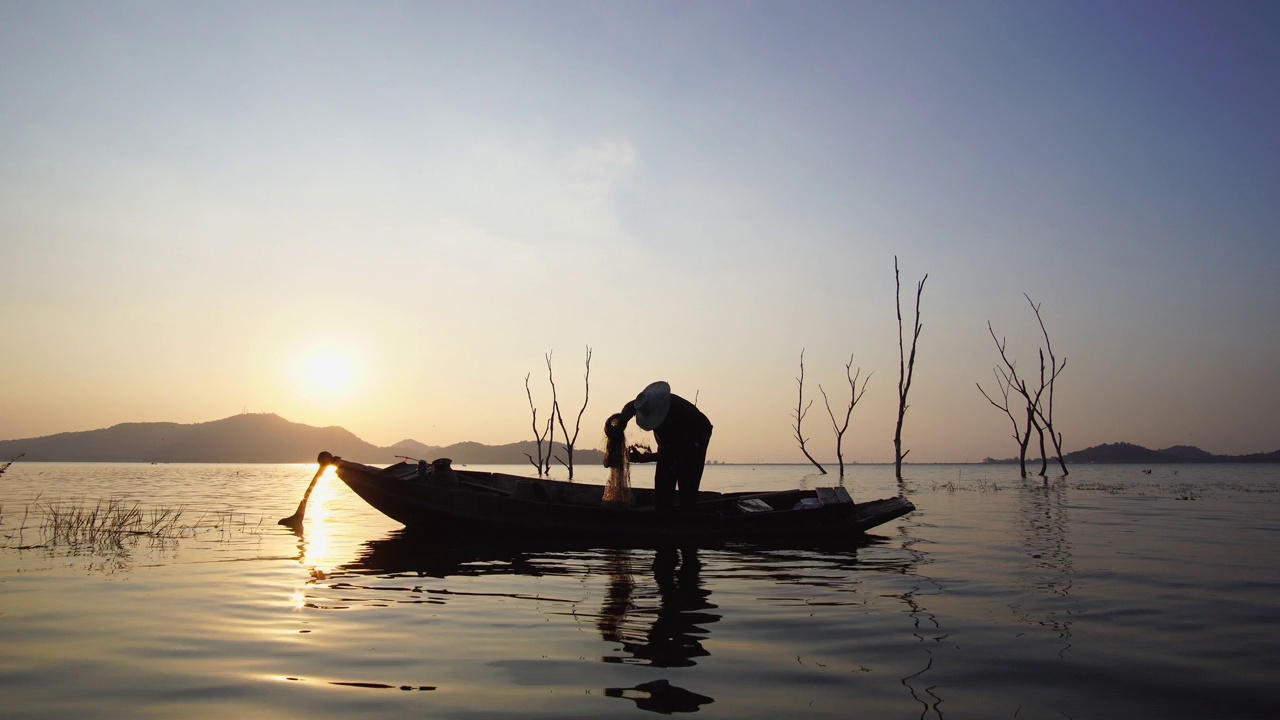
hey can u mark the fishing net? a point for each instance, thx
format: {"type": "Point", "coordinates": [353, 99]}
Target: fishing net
{"type": "Point", "coordinates": [617, 492]}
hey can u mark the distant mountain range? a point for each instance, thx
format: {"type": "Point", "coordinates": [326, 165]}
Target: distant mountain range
{"type": "Point", "coordinates": [269, 438]}
{"type": "Point", "coordinates": [256, 438]}
{"type": "Point", "coordinates": [1129, 453]}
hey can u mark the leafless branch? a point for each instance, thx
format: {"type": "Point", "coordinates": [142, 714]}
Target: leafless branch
{"type": "Point", "coordinates": [537, 436]}
{"type": "Point", "coordinates": [801, 409]}
{"type": "Point", "coordinates": [1003, 382]}
{"type": "Point", "coordinates": [855, 394]}
{"type": "Point", "coordinates": [555, 410]}
{"type": "Point", "coordinates": [1009, 375]}
{"type": "Point", "coordinates": [571, 440]}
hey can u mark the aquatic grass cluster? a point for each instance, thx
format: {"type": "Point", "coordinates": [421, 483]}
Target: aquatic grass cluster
{"type": "Point", "coordinates": [110, 531]}
{"type": "Point", "coordinates": [107, 523]}
{"type": "Point", "coordinates": [13, 537]}
{"type": "Point", "coordinates": [952, 486]}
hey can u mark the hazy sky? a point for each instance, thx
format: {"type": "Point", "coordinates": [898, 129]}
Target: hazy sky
{"type": "Point", "coordinates": [383, 215]}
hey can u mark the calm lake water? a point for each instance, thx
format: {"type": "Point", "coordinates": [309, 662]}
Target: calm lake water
{"type": "Point", "coordinates": [1112, 593]}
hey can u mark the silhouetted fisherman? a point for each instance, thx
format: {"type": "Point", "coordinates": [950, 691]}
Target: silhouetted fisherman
{"type": "Point", "coordinates": [682, 433]}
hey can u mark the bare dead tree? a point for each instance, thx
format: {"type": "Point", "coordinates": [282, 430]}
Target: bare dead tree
{"type": "Point", "coordinates": [570, 440]}
{"type": "Point", "coordinates": [1005, 381]}
{"type": "Point", "coordinates": [906, 367]}
{"type": "Point", "coordinates": [1045, 412]}
{"type": "Point", "coordinates": [1039, 405]}
{"type": "Point", "coordinates": [801, 409]}
{"type": "Point", "coordinates": [1009, 374]}
{"type": "Point", "coordinates": [538, 435]}
{"type": "Point", "coordinates": [855, 394]}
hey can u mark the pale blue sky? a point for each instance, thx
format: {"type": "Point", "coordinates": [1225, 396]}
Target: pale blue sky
{"type": "Point", "coordinates": [195, 198]}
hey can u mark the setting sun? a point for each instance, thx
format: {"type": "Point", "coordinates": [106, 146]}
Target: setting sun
{"type": "Point", "coordinates": [329, 370]}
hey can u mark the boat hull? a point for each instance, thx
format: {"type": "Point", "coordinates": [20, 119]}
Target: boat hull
{"type": "Point", "coordinates": [510, 506]}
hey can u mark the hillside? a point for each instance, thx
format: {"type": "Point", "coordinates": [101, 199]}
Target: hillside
{"type": "Point", "coordinates": [1130, 453]}
{"type": "Point", "coordinates": [1123, 452]}
{"type": "Point", "coordinates": [252, 438]}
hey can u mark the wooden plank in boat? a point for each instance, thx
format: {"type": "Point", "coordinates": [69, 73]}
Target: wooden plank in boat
{"type": "Point", "coordinates": [752, 505]}
{"type": "Point", "coordinates": [833, 495]}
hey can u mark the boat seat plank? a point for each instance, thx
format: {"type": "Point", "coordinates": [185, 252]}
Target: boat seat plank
{"type": "Point", "coordinates": [752, 505]}
{"type": "Point", "coordinates": [833, 495]}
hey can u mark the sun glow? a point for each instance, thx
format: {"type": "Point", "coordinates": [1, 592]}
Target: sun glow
{"type": "Point", "coordinates": [329, 370]}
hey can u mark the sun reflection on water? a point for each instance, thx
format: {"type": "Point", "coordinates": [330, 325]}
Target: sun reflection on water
{"type": "Point", "coordinates": [315, 544]}
{"type": "Point", "coordinates": [317, 535]}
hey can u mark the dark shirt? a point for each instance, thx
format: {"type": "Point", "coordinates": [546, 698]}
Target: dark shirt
{"type": "Point", "coordinates": [684, 426]}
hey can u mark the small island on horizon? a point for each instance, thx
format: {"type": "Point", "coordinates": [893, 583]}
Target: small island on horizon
{"type": "Point", "coordinates": [269, 438]}
{"type": "Point", "coordinates": [1128, 453]}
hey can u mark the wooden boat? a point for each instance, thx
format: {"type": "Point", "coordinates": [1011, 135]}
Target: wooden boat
{"type": "Point", "coordinates": [437, 498]}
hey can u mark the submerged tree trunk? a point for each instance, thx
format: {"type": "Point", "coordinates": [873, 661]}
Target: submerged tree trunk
{"type": "Point", "coordinates": [1044, 460]}
{"type": "Point", "coordinates": [1026, 440]}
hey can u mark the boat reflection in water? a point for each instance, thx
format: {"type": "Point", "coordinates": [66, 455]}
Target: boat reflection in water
{"type": "Point", "coordinates": [651, 607]}
{"type": "Point", "coordinates": [654, 612]}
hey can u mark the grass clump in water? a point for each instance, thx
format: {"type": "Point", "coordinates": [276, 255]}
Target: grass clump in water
{"type": "Point", "coordinates": [115, 526]}
{"type": "Point", "coordinates": [106, 524]}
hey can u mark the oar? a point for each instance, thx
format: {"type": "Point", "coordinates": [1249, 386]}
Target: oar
{"type": "Point", "coordinates": [295, 520]}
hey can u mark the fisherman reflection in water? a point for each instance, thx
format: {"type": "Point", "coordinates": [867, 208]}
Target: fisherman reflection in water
{"type": "Point", "coordinates": [673, 638]}
{"type": "Point", "coordinates": [682, 433]}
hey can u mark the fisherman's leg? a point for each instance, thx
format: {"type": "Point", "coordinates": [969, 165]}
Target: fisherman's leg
{"type": "Point", "coordinates": [664, 483]}
{"type": "Point", "coordinates": [691, 463]}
